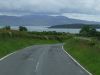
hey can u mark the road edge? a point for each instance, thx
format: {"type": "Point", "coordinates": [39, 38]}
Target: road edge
{"type": "Point", "coordinates": [12, 53]}
{"type": "Point", "coordinates": [63, 50]}
{"type": "Point", "coordinates": [76, 61]}
{"type": "Point", "coordinates": [7, 56]}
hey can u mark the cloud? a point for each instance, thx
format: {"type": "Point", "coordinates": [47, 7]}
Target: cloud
{"type": "Point", "coordinates": [82, 16]}
{"type": "Point", "coordinates": [50, 6]}
{"type": "Point", "coordinates": [24, 7]}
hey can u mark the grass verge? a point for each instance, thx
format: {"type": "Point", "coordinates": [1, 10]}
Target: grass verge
{"type": "Point", "coordinates": [12, 40]}
{"type": "Point", "coordinates": [85, 52]}
{"type": "Point", "coordinates": [9, 45]}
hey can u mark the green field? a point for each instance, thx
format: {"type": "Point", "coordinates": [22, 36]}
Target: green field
{"type": "Point", "coordinates": [86, 52]}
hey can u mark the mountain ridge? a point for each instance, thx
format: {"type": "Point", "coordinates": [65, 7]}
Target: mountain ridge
{"type": "Point", "coordinates": [41, 20]}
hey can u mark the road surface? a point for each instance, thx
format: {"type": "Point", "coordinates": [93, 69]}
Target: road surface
{"type": "Point", "coordinates": [40, 60]}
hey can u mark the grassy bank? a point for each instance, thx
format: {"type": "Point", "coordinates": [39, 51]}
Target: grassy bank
{"type": "Point", "coordinates": [12, 40]}
{"type": "Point", "coordinates": [12, 44]}
{"type": "Point", "coordinates": [87, 52]}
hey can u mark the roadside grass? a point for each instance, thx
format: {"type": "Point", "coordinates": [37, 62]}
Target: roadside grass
{"type": "Point", "coordinates": [9, 45]}
{"type": "Point", "coordinates": [12, 40]}
{"type": "Point", "coordinates": [85, 52]}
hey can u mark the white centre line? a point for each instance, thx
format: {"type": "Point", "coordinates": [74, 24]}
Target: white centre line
{"type": "Point", "coordinates": [37, 67]}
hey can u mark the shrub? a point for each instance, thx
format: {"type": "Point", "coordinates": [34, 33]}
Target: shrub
{"type": "Point", "coordinates": [91, 43]}
{"type": "Point", "coordinates": [21, 28]}
{"type": "Point", "coordinates": [7, 28]}
{"type": "Point", "coordinates": [88, 31]}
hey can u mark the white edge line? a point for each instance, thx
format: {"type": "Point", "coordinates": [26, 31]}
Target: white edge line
{"type": "Point", "coordinates": [6, 56]}
{"type": "Point", "coordinates": [11, 54]}
{"type": "Point", "coordinates": [76, 61]}
{"type": "Point", "coordinates": [64, 51]}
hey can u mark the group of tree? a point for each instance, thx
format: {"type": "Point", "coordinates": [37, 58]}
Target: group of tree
{"type": "Point", "coordinates": [7, 28]}
{"type": "Point", "coordinates": [89, 31]}
{"type": "Point", "coordinates": [21, 28]}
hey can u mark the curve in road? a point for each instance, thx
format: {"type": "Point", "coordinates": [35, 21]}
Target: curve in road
{"type": "Point", "coordinates": [40, 60]}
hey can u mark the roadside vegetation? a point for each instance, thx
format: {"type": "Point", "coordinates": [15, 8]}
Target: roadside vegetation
{"type": "Point", "coordinates": [86, 52]}
{"type": "Point", "coordinates": [12, 40]}
{"type": "Point", "coordinates": [85, 48]}
{"type": "Point", "coordinates": [8, 45]}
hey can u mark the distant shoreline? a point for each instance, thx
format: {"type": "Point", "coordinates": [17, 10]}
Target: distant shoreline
{"type": "Point", "coordinates": [75, 26]}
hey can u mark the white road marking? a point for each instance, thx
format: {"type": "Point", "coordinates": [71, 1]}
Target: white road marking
{"type": "Point", "coordinates": [6, 56]}
{"type": "Point", "coordinates": [37, 67]}
{"type": "Point", "coordinates": [76, 61]}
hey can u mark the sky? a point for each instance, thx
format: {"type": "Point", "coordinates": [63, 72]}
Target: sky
{"type": "Point", "coordinates": [78, 9]}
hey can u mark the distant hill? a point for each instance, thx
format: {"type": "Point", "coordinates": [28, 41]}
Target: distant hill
{"type": "Point", "coordinates": [40, 20]}
{"type": "Point", "coordinates": [75, 26]}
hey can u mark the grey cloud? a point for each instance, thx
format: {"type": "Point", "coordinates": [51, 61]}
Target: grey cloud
{"type": "Point", "coordinates": [50, 6]}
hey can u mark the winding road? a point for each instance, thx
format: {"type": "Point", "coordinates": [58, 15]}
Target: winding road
{"type": "Point", "coordinates": [40, 60]}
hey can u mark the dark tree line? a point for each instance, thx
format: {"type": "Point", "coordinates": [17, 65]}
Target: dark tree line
{"type": "Point", "coordinates": [21, 28]}
{"type": "Point", "coordinates": [89, 31]}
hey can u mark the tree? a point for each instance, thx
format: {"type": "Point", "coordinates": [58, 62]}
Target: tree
{"type": "Point", "coordinates": [21, 28]}
{"type": "Point", "coordinates": [7, 28]}
{"type": "Point", "coordinates": [88, 31]}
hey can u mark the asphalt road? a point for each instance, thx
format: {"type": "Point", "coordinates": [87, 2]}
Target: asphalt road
{"type": "Point", "coordinates": [40, 60]}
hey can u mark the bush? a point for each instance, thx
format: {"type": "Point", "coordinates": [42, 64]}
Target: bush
{"type": "Point", "coordinates": [21, 28]}
{"type": "Point", "coordinates": [88, 31]}
{"type": "Point", "coordinates": [7, 28]}
{"type": "Point", "coordinates": [91, 44]}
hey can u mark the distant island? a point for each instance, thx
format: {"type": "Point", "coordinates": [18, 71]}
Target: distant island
{"type": "Point", "coordinates": [75, 26]}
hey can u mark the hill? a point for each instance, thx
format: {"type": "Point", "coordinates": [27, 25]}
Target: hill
{"type": "Point", "coordinates": [40, 20]}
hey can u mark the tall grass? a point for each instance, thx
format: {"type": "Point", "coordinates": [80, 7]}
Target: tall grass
{"type": "Point", "coordinates": [11, 40]}
{"type": "Point", "coordinates": [36, 35]}
{"type": "Point", "coordinates": [86, 52]}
